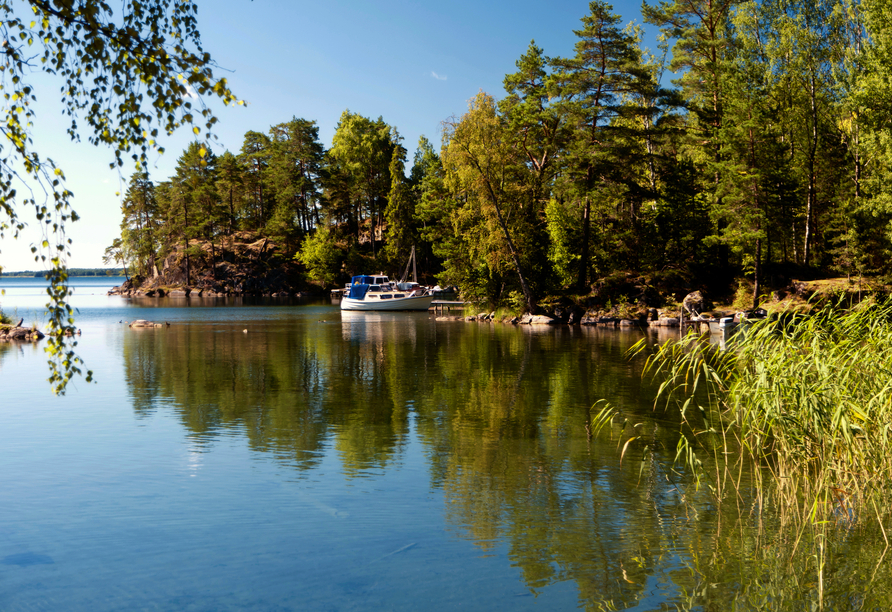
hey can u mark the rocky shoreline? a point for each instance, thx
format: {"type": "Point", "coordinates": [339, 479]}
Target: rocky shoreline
{"type": "Point", "coordinates": [244, 265]}
{"type": "Point", "coordinates": [687, 315]}
{"type": "Point", "coordinates": [129, 291]}
{"type": "Point", "coordinates": [588, 319]}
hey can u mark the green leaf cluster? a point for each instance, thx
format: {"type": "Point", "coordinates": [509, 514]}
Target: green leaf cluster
{"type": "Point", "coordinates": [127, 76]}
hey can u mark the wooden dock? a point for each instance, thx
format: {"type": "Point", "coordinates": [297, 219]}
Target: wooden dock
{"type": "Point", "coordinates": [439, 306]}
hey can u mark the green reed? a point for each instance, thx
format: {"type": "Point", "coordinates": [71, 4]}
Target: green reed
{"type": "Point", "coordinates": [798, 407]}
{"type": "Point", "coordinates": [788, 431]}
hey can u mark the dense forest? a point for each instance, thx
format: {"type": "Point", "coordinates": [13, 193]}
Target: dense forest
{"type": "Point", "coordinates": [768, 157]}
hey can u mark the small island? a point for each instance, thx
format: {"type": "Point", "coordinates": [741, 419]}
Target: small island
{"type": "Point", "coordinates": [17, 333]}
{"type": "Point", "coordinates": [245, 264]}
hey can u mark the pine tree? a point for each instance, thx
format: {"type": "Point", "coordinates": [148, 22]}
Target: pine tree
{"type": "Point", "coordinates": [195, 184]}
{"type": "Point", "coordinates": [433, 206]}
{"type": "Point", "coordinates": [255, 156]}
{"type": "Point", "coordinates": [597, 88]}
{"type": "Point", "coordinates": [139, 222]}
{"type": "Point", "coordinates": [399, 212]}
{"type": "Point", "coordinates": [700, 31]}
{"type": "Point", "coordinates": [294, 170]}
{"type": "Point", "coordinates": [363, 149]}
{"type": "Point", "coordinates": [230, 188]}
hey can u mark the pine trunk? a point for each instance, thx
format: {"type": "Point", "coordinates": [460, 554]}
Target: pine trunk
{"type": "Point", "coordinates": [586, 237]}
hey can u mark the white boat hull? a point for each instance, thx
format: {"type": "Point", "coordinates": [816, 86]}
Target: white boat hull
{"type": "Point", "coordinates": [421, 302]}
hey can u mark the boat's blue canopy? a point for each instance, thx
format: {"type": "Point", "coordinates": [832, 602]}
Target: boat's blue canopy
{"type": "Point", "coordinates": [362, 280]}
{"type": "Point", "coordinates": [358, 290]}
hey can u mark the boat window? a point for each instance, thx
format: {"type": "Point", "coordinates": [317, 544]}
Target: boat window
{"type": "Point", "coordinates": [374, 288]}
{"type": "Point", "coordinates": [386, 296]}
{"type": "Point", "coordinates": [399, 295]}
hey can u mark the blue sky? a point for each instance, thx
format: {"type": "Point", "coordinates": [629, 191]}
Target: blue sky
{"type": "Point", "coordinates": [413, 63]}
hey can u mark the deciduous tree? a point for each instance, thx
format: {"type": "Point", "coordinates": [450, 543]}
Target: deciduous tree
{"type": "Point", "coordinates": [484, 168]}
{"type": "Point", "coordinates": [126, 78]}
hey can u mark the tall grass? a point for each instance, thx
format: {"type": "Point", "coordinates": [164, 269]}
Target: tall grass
{"type": "Point", "coordinates": [801, 406]}
{"type": "Point", "coordinates": [794, 423]}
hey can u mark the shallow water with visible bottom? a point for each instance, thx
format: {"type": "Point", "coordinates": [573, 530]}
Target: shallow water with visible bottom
{"type": "Point", "coordinates": [282, 455]}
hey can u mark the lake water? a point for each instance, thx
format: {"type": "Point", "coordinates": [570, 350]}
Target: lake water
{"type": "Point", "coordinates": [282, 455]}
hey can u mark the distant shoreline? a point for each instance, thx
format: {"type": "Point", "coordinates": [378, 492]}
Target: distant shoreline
{"type": "Point", "coordinates": [72, 272]}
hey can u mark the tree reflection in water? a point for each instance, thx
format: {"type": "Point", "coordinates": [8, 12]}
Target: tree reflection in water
{"type": "Point", "coordinates": [4, 350]}
{"type": "Point", "coordinates": [503, 414]}
{"type": "Point", "coordinates": [10, 350]}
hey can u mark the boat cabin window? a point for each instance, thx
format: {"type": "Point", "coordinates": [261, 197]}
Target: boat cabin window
{"type": "Point", "coordinates": [386, 296]}
{"type": "Point", "coordinates": [399, 295]}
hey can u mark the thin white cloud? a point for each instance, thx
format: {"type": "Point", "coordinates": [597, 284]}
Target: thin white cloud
{"type": "Point", "coordinates": [190, 91]}
{"type": "Point", "coordinates": [439, 77]}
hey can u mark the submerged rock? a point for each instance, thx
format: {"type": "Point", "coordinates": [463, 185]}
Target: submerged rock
{"type": "Point", "coordinates": [143, 323]}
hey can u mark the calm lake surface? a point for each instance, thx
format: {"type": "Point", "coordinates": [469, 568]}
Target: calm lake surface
{"type": "Point", "coordinates": [282, 455]}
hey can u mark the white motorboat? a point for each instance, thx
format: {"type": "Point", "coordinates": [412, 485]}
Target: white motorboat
{"type": "Point", "coordinates": [378, 293]}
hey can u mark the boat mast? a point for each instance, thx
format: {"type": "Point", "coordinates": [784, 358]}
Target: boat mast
{"type": "Point", "coordinates": [411, 262]}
